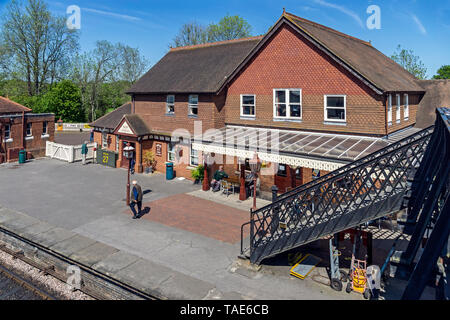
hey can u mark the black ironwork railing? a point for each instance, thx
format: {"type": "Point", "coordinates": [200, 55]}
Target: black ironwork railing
{"type": "Point", "coordinates": [359, 192]}
{"type": "Point", "coordinates": [430, 205]}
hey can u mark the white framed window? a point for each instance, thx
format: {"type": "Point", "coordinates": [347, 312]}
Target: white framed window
{"type": "Point", "coordinates": [117, 143]}
{"type": "Point", "coordinates": [104, 140]}
{"type": "Point", "coordinates": [170, 104]}
{"type": "Point", "coordinates": [335, 108]}
{"type": "Point", "coordinates": [287, 104]}
{"type": "Point", "coordinates": [397, 109]}
{"type": "Point", "coordinates": [29, 129]}
{"type": "Point", "coordinates": [406, 107]}
{"type": "Point", "coordinates": [171, 152]}
{"type": "Point", "coordinates": [193, 105]}
{"type": "Point", "coordinates": [44, 127]}
{"type": "Point", "coordinates": [389, 111]}
{"type": "Point", "coordinates": [193, 159]}
{"type": "Point", "coordinates": [7, 131]}
{"type": "Point", "coordinates": [248, 105]}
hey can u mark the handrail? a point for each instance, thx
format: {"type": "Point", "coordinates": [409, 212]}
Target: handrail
{"type": "Point", "coordinates": [388, 167]}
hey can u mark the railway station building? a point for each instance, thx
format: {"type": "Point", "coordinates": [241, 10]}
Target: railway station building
{"type": "Point", "coordinates": [305, 98]}
{"type": "Point", "coordinates": [20, 129]}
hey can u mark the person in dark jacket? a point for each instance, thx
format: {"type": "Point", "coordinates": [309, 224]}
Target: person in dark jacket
{"type": "Point", "coordinates": [218, 176]}
{"type": "Point", "coordinates": [136, 199]}
{"type": "Point", "coordinates": [84, 151]}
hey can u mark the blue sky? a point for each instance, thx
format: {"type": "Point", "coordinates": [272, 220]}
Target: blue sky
{"type": "Point", "coordinates": [150, 25]}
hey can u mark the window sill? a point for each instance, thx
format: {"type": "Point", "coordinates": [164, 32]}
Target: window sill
{"type": "Point", "coordinates": [244, 117]}
{"type": "Point", "coordinates": [335, 123]}
{"type": "Point", "coordinates": [191, 167]}
{"type": "Point", "coordinates": [8, 140]}
{"type": "Point", "coordinates": [287, 120]}
{"type": "Point", "coordinates": [44, 136]}
{"type": "Point", "coordinates": [398, 122]}
{"type": "Point", "coordinates": [192, 116]}
{"type": "Point", "coordinates": [170, 114]}
{"type": "Point", "coordinates": [29, 138]}
{"type": "Point", "coordinates": [390, 123]}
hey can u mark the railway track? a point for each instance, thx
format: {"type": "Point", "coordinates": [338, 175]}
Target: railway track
{"type": "Point", "coordinates": [15, 287]}
{"type": "Point", "coordinates": [94, 283]}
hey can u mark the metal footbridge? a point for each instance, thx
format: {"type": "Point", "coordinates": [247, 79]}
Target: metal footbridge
{"type": "Point", "coordinates": [396, 177]}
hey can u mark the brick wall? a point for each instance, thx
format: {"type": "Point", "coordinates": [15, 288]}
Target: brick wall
{"type": "Point", "coordinates": [290, 61]}
{"type": "Point", "coordinates": [152, 108]}
{"type": "Point", "coordinates": [35, 144]}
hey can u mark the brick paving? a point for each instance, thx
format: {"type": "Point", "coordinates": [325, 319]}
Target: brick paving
{"type": "Point", "coordinates": [199, 216]}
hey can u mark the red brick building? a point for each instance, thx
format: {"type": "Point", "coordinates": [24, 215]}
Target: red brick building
{"type": "Point", "coordinates": [20, 129]}
{"type": "Point", "coordinates": [306, 98]}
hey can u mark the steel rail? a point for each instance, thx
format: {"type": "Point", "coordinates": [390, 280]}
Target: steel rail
{"type": "Point", "coordinates": [97, 276]}
{"type": "Point", "coordinates": [26, 284]}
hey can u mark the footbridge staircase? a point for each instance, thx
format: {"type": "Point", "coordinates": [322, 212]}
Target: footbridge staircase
{"type": "Point", "coordinates": [394, 178]}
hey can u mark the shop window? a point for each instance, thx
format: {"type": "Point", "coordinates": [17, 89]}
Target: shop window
{"type": "Point", "coordinates": [282, 170]}
{"type": "Point", "coordinates": [315, 174]}
{"type": "Point", "coordinates": [104, 140]}
{"type": "Point", "coordinates": [194, 157]}
{"type": "Point", "coordinates": [298, 173]}
{"type": "Point", "coordinates": [171, 152]}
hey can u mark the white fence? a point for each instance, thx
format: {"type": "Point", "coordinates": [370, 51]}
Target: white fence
{"type": "Point", "coordinates": [68, 153]}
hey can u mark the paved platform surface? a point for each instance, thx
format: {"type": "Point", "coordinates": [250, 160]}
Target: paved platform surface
{"type": "Point", "coordinates": [72, 138]}
{"type": "Point", "coordinates": [79, 211]}
{"type": "Point", "coordinates": [207, 218]}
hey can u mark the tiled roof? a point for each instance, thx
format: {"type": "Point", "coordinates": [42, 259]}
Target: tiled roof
{"type": "Point", "coordinates": [8, 106]}
{"type": "Point", "coordinates": [195, 69]}
{"type": "Point", "coordinates": [112, 119]}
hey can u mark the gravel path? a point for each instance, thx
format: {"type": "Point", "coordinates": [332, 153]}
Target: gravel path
{"type": "Point", "coordinates": [10, 290]}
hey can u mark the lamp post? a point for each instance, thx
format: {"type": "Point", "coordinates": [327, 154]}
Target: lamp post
{"type": "Point", "coordinates": [128, 153]}
{"type": "Point", "coordinates": [255, 166]}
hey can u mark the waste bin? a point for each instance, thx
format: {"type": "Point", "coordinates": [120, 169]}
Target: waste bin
{"type": "Point", "coordinates": [22, 156]}
{"type": "Point", "coordinates": [169, 171]}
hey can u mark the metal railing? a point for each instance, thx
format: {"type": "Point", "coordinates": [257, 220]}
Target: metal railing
{"type": "Point", "coordinates": [359, 192]}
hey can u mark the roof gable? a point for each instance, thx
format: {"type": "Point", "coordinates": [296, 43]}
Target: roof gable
{"type": "Point", "coordinates": [132, 125]}
{"type": "Point", "coordinates": [373, 68]}
{"type": "Point", "coordinates": [112, 119]}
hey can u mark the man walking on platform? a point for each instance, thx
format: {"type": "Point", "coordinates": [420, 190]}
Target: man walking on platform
{"type": "Point", "coordinates": [136, 199]}
{"type": "Point", "coordinates": [84, 151]}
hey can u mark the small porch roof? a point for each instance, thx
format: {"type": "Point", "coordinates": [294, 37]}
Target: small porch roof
{"type": "Point", "coordinates": [295, 148]}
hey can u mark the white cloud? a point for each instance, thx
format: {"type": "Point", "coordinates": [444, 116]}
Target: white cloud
{"type": "Point", "coordinates": [419, 24]}
{"type": "Point", "coordinates": [112, 14]}
{"type": "Point", "coordinates": [342, 9]}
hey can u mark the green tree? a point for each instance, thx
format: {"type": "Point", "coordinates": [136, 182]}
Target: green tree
{"type": "Point", "coordinates": [410, 62]}
{"type": "Point", "coordinates": [37, 42]}
{"type": "Point", "coordinates": [190, 33]}
{"type": "Point", "coordinates": [64, 100]}
{"type": "Point", "coordinates": [229, 28]}
{"type": "Point", "coordinates": [443, 73]}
